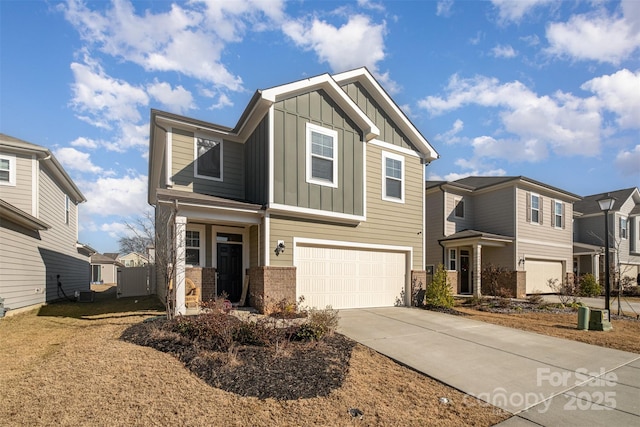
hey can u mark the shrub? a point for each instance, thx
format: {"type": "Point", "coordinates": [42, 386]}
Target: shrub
{"type": "Point", "coordinates": [566, 290]}
{"type": "Point", "coordinates": [589, 286]}
{"type": "Point", "coordinates": [491, 275]}
{"type": "Point", "coordinates": [214, 329]}
{"type": "Point", "coordinates": [321, 322]}
{"type": "Point", "coordinates": [504, 297]}
{"type": "Point", "coordinates": [438, 292]}
{"type": "Point", "coordinates": [535, 298]}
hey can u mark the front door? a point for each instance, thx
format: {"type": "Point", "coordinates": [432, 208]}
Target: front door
{"type": "Point", "coordinates": [464, 273]}
{"type": "Point", "coordinates": [230, 270]}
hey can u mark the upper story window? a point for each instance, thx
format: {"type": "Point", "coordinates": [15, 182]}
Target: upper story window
{"type": "Point", "coordinates": [458, 210]}
{"type": "Point", "coordinates": [67, 209]}
{"type": "Point", "coordinates": [7, 169]}
{"type": "Point", "coordinates": [208, 156]}
{"type": "Point", "coordinates": [393, 175]}
{"type": "Point", "coordinates": [534, 208]}
{"type": "Point", "coordinates": [623, 228]}
{"type": "Point", "coordinates": [322, 156]}
{"type": "Point", "coordinates": [558, 214]}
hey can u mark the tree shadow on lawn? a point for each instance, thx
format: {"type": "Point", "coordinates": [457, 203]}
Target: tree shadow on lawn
{"type": "Point", "coordinates": [104, 303]}
{"type": "Point", "coordinates": [294, 370]}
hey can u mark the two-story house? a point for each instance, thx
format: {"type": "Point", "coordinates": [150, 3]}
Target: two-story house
{"type": "Point", "coordinates": [41, 259]}
{"type": "Point", "coordinates": [624, 234]}
{"type": "Point", "coordinates": [317, 192]}
{"type": "Point", "coordinates": [514, 223]}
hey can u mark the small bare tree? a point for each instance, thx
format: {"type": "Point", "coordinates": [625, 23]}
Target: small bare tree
{"type": "Point", "coordinates": [141, 234]}
{"type": "Point", "coordinates": [166, 254]}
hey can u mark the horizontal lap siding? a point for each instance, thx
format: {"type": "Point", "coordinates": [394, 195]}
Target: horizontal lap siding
{"type": "Point", "coordinates": [387, 223]}
{"type": "Point", "coordinates": [454, 224]}
{"type": "Point", "coordinates": [434, 227]}
{"type": "Point", "coordinates": [20, 194]}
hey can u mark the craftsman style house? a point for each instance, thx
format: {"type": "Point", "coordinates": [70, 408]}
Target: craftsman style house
{"type": "Point", "coordinates": [317, 192]}
{"type": "Point", "coordinates": [513, 223]}
{"type": "Point", "coordinates": [624, 235]}
{"type": "Point", "coordinates": [41, 259]}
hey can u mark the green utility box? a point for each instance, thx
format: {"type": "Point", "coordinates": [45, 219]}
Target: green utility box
{"type": "Point", "coordinates": [583, 318]}
{"type": "Point", "coordinates": [599, 320]}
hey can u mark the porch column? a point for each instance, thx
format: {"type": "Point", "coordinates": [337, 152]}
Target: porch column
{"type": "Point", "coordinates": [595, 266]}
{"type": "Point", "coordinates": [477, 270]}
{"type": "Point", "coordinates": [181, 234]}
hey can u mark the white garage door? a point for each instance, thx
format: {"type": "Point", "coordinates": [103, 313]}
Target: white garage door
{"type": "Point", "coordinates": [538, 274]}
{"type": "Point", "coordinates": [349, 278]}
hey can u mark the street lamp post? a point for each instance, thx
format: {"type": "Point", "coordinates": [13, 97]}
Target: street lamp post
{"type": "Point", "coordinates": [606, 204]}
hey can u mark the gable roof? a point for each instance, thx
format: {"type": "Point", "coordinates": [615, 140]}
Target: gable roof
{"type": "Point", "coordinates": [45, 156]}
{"type": "Point", "coordinates": [104, 259]}
{"type": "Point", "coordinates": [589, 204]}
{"type": "Point", "coordinates": [477, 183]}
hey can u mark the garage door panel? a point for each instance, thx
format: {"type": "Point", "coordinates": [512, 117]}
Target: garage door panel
{"type": "Point", "coordinates": [349, 278]}
{"type": "Point", "coordinates": [539, 272]}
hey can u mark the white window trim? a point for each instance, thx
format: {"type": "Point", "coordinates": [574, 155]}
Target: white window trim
{"type": "Point", "coordinates": [195, 156]}
{"type": "Point", "coordinates": [454, 259]}
{"type": "Point", "coordinates": [626, 228]}
{"type": "Point", "coordinates": [12, 170]}
{"type": "Point", "coordinates": [457, 200]}
{"type": "Point", "coordinates": [334, 135]}
{"type": "Point", "coordinates": [386, 155]}
{"type": "Point", "coordinates": [539, 209]}
{"type": "Point", "coordinates": [203, 244]}
{"type": "Point", "coordinates": [555, 205]}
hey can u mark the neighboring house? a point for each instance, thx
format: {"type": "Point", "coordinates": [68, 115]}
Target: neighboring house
{"type": "Point", "coordinates": [317, 192]}
{"type": "Point", "coordinates": [511, 222]}
{"type": "Point", "coordinates": [624, 234]}
{"type": "Point", "coordinates": [104, 269]}
{"type": "Point", "coordinates": [134, 259]}
{"type": "Point", "coordinates": [38, 227]}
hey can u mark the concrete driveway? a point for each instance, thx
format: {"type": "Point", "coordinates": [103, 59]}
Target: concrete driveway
{"type": "Point", "coordinates": [543, 380]}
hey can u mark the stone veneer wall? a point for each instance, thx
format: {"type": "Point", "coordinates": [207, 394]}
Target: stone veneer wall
{"type": "Point", "coordinates": [205, 279]}
{"type": "Point", "coordinates": [514, 281]}
{"type": "Point", "coordinates": [269, 285]}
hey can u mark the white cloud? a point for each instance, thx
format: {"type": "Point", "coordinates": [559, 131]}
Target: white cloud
{"type": "Point", "coordinates": [357, 43]}
{"type": "Point", "coordinates": [450, 136]}
{"type": "Point", "coordinates": [504, 51]}
{"type": "Point", "coordinates": [125, 196]}
{"type": "Point", "coordinates": [443, 8]}
{"type": "Point", "coordinates": [596, 37]}
{"type": "Point", "coordinates": [619, 93]}
{"type": "Point", "coordinates": [628, 162]}
{"type": "Point", "coordinates": [515, 10]}
{"type": "Point", "coordinates": [223, 102]}
{"type": "Point", "coordinates": [76, 160]}
{"type": "Point", "coordinates": [104, 98]}
{"type": "Point", "coordinates": [177, 99]}
{"type": "Point", "coordinates": [85, 143]}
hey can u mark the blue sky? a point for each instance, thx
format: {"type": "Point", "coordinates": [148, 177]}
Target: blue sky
{"type": "Point", "coordinates": [545, 89]}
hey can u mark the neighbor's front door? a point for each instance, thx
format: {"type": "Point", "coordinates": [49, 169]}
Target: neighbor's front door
{"type": "Point", "coordinates": [230, 270]}
{"type": "Point", "coordinates": [464, 273]}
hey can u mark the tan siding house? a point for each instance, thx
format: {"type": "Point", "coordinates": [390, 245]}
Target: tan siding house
{"type": "Point", "coordinates": [514, 223]}
{"type": "Point", "coordinates": [41, 259]}
{"type": "Point", "coordinates": [316, 193]}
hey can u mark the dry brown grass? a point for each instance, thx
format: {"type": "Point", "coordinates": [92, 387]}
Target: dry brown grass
{"type": "Point", "coordinates": [66, 365]}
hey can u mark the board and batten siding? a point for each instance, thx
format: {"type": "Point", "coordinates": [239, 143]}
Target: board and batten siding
{"type": "Point", "coordinates": [20, 195]}
{"type": "Point", "coordinates": [31, 260]}
{"type": "Point", "coordinates": [290, 156]}
{"type": "Point", "coordinates": [387, 223]}
{"type": "Point", "coordinates": [182, 167]}
{"type": "Point", "coordinates": [257, 164]}
{"type": "Point", "coordinates": [389, 132]}
{"type": "Point", "coordinates": [434, 227]}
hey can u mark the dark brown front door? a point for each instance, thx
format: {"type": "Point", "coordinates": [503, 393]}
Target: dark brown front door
{"type": "Point", "coordinates": [464, 273]}
{"type": "Point", "coordinates": [230, 270]}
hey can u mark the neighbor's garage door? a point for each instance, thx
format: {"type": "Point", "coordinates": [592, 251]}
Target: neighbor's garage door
{"type": "Point", "coordinates": [538, 274]}
{"type": "Point", "coordinates": [349, 278]}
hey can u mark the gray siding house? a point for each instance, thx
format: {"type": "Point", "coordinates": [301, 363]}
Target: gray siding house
{"type": "Point", "coordinates": [317, 192]}
{"type": "Point", "coordinates": [516, 223]}
{"type": "Point", "coordinates": [38, 228]}
{"type": "Point", "coordinates": [624, 235]}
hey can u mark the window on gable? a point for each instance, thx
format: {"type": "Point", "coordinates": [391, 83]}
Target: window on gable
{"type": "Point", "coordinates": [535, 208]}
{"type": "Point", "coordinates": [393, 173]}
{"type": "Point", "coordinates": [558, 214]}
{"type": "Point", "coordinates": [7, 170]}
{"type": "Point", "coordinates": [623, 228]}
{"type": "Point", "coordinates": [66, 209]}
{"type": "Point", "coordinates": [458, 210]}
{"type": "Point", "coordinates": [208, 163]}
{"type": "Point", "coordinates": [193, 247]}
{"type": "Point", "coordinates": [322, 155]}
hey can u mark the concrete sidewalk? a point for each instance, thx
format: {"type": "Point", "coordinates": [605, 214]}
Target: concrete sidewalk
{"type": "Point", "coordinates": [543, 380]}
{"type": "Point", "coordinates": [628, 306]}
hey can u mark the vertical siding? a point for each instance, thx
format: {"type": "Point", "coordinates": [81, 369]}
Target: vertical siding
{"type": "Point", "coordinates": [31, 261]}
{"type": "Point", "coordinates": [232, 186]}
{"type": "Point", "coordinates": [434, 227]}
{"type": "Point", "coordinates": [256, 164]}
{"type": "Point", "coordinates": [387, 223]}
{"type": "Point", "coordinates": [290, 187]}
{"type": "Point", "coordinates": [20, 194]}
{"type": "Point", "coordinates": [389, 132]}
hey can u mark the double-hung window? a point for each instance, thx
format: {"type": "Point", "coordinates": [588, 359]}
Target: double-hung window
{"type": "Point", "coordinates": [322, 156]}
{"type": "Point", "coordinates": [453, 258]}
{"type": "Point", "coordinates": [208, 154]}
{"type": "Point", "coordinates": [193, 247]}
{"type": "Point", "coordinates": [535, 208]}
{"type": "Point", "coordinates": [458, 210]}
{"type": "Point", "coordinates": [557, 214]}
{"type": "Point", "coordinates": [7, 169]}
{"type": "Point", "coordinates": [393, 177]}
{"type": "Point", "coordinates": [623, 228]}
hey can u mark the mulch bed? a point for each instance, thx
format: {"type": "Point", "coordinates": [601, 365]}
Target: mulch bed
{"type": "Point", "coordinates": [289, 371]}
